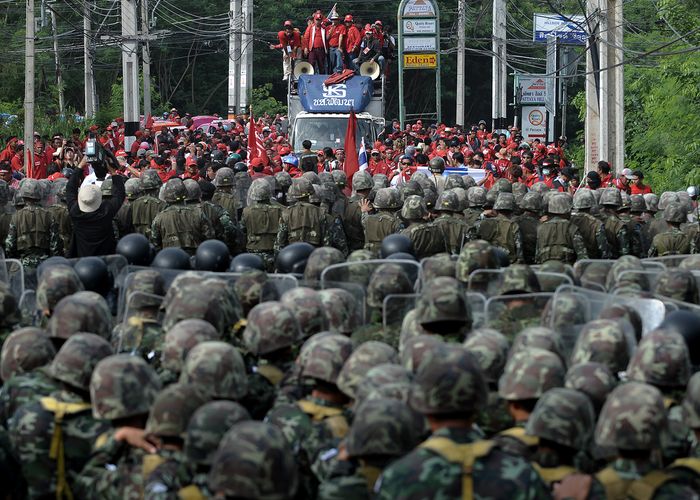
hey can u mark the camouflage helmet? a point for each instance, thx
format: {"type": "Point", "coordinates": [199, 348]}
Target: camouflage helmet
{"type": "Point", "coordinates": [326, 358]}
{"type": "Point", "coordinates": [691, 263]}
{"type": "Point", "coordinates": [625, 201]}
{"type": "Point", "coordinates": [307, 308]}
{"type": "Point", "coordinates": [132, 186]}
{"type": "Point", "coordinates": [181, 338]}
{"type": "Point", "coordinates": [633, 418]}
{"type": "Point", "coordinates": [387, 279]}
{"type": "Point", "coordinates": [691, 402]}
{"type": "Point", "coordinates": [209, 423]}
{"type": "Point", "coordinates": [365, 356]}
{"type": "Point", "coordinates": [411, 188]}
{"type": "Point", "coordinates": [678, 284]}
{"type": "Point", "coordinates": [477, 254]}
{"type": "Point", "coordinates": [172, 409]}
{"type": "Point", "coordinates": [30, 189]}
{"type": "Point", "coordinates": [611, 197]}
{"type": "Point", "coordinates": [666, 198]}
{"type": "Point", "coordinates": [341, 310]}
{"type": "Point", "coordinates": [388, 380]}
{"type": "Point", "coordinates": [468, 181]}
{"type": "Point", "coordinates": [9, 313]}
{"type": "Point", "coordinates": [675, 212]}
{"type": "Point", "coordinates": [415, 349]}
{"type": "Point", "coordinates": [563, 416]}
{"type": "Point", "coordinates": [409, 329]}
{"type": "Point", "coordinates": [253, 287]}
{"type": "Point", "coordinates": [194, 192]}
{"type": "Point", "coordinates": [461, 195]}
{"type": "Point", "coordinates": [476, 195]}
{"type": "Point", "coordinates": [360, 273]}
{"type": "Point", "coordinates": [106, 187]}
{"type": "Point", "coordinates": [383, 427]}
{"type": "Point", "coordinates": [559, 204]}
{"type": "Point", "coordinates": [150, 180]}
{"type": "Point", "coordinates": [271, 326]}
{"type": "Point", "coordinates": [491, 197]}
{"type": "Point", "coordinates": [519, 190]}
{"type": "Point", "coordinates": [414, 208]}
{"type": "Point", "coordinates": [438, 265]}
{"type": "Point", "coordinates": [217, 369]}
{"type": "Point", "coordinates": [437, 165]}
{"type": "Point", "coordinates": [362, 181]}
{"type": "Point", "coordinates": [380, 181]}
{"type": "Point", "coordinates": [77, 357]}
{"type": "Point", "coordinates": [595, 380]}
{"type": "Point", "coordinates": [283, 180]}
{"type": "Point", "coordinates": [637, 204]}
{"type": "Point", "coordinates": [490, 348]}
{"type": "Point", "coordinates": [4, 193]}
{"type": "Point", "coordinates": [652, 202]}
{"type": "Point", "coordinates": [430, 197]}
{"type": "Point", "coordinates": [224, 177]}
{"type": "Point", "coordinates": [301, 188]}
{"type": "Point", "coordinates": [387, 198]}
{"type": "Point", "coordinates": [254, 460]}
{"type": "Point", "coordinates": [661, 359]}
{"type": "Point", "coordinates": [504, 202]}
{"type": "Point", "coordinates": [339, 178]}
{"type": "Point", "coordinates": [319, 260]}
{"type": "Point", "coordinates": [449, 380]}
{"type": "Point", "coordinates": [145, 284]}
{"type": "Point", "coordinates": [539, 337]}
{"type": "Point", "coordinates": [531, 202]}
{"type": "Point", "coordinates": [502, 185]}
{"type": "Point", "coordinates": [583, 199]}
{"type": "Point", "coordinates": [539, 187]}
{"type": "Point", "coordinates": [55, 283]}
{"type": "Point", "coordinates": [81, 312]}
{"type": "Point", "coordinates": [24, 350]}
{"type": "Point", "coordinates": [454, 180]}
{"type": "Point", "coordinates": [602, 341]}
{"type": "Point", "coordinates": [519, 278]}
{"type": "Point", "coordinates": [529, 373]}
{"type": "Point", "coordinates": [260, 190]}
{"type": "Point", "coordinates": [441, 303]}
{"type": "Point", "coordinates": [123, 386]}
{"type": "Point", "coordinates": [312, 177]}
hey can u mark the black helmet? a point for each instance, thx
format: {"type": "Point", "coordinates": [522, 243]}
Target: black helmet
{"type": "Point", "coordinates": [218, 156]}
{"type": "Point", "coordinates": [245, 262]}
{"type": "Point", "coordinates": [94, 274]}
{"type": "Point", "coordinates": [395, 243]}
{"type": "Point", "coordinates": [240, 167]}
{"type": "Point", "coordinates": [501, 256]}
{"type": "Point", "coordinates": [136, 249]}
{"type": "Point", "coordinates": [172, 258]}
{"type": "Point", "coordinates": [56, 260]}
{"type": "Point", "coordinates": [400, 256]}
{"type": "Point", "coordinates": [688, 325]}
{"type": "Point", "coordinates": [292, 258]}
{"type": "Point", "coordinates": [212, 255]}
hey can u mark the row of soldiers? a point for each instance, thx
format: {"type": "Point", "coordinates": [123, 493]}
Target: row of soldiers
{"type": "Point", "coordinates": [214, 386]}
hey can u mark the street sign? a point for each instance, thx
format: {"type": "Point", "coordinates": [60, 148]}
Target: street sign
{"type": "Point", "coordinates": [418, 8]}
{"type": "Point", "coordinates": [569, 30]}
{"type": "Point", "coordinates": [534, 120]}
{"type": "Point", "coordinates": [419, 26]}
{"type": "Point", "coordinates": [420, 61]}
{"type": "Point", "coordinates": [533, 89]}
{"type": "Point", "coordinates": [420, 44]}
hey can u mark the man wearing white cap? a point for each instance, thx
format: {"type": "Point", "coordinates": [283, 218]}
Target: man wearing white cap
{"type": "Point", "coordinates": [622, 182]}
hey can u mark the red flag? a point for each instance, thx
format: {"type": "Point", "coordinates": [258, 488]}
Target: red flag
{"type": "Point", "coordinates": [148, 121]}
{"type": "Point", "coordinates": [255, 147]}
{"type": "Point", "coordinates": [351, 165]}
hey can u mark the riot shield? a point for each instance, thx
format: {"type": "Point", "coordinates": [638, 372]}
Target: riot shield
{"type": "Point", "coordinates": [668, 260]}
{"type": "Point", "coordinates": [168, 275]}
{"type": "Point", "coordinates": [477, 303]}
{"type": "Point", "coordinates": [486, 282]}
{"type": "Point", "coordinates": [549, 282]}
{"type": "Point", "coordinates": [357, 291]}
{"type": "Point", "coordinates": [509, 314]}
{"type": "Point", "coordinates": [281, 282]}
{"type": "Point", "coordinates": [395, 308]}
{"type": "Point", "coordinates": [12, 273]}
{"type": "Point", "coordinates": [360, 272]}
{"type": "Point", "coordinates": [31, 316]}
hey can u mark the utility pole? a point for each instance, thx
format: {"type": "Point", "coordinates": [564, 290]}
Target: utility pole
{"type": "Point", "coordinates": [29, 88]}
{"type": "Point", "coordinates": [89, 83]}
{"type": "Point", "coordinates": [499, 70]}
{"type": "Point", "coordinates": [130, 71]}
{"type": "Point", "coordinates": [461, 26]}
{"type": "Point", "coordinates": [246, 55]}
{"type": "Point", "coordinates": [234, 57]}
{"type": "Point", "coordinates": [617, 106]}
{"type": "Point", "coordinates": [57, 59]}
{"type": "Point", "coordinates": [146, 59]}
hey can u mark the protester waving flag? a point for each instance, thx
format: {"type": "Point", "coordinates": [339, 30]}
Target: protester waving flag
{"type": "Point", "coordinates": [255, 147]}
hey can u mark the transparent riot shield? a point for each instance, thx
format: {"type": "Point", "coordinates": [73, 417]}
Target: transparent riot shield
{"type": "Point", "coordinates": [130, 329]}
{"type": "Point", "coordinates": [668, 260]}
{"type": "Point", "coordinates": [358, 291]}
{"type": "Point", "coordinates": [168, 275]}
{"type": "Point", "coordinates": [395, 308]}
{"type": "Point", "coordinates": [549, 282]}
{"type": "Point", "coordinates": [487, 282]}
{"type": "Point", "coordinates": [12, 273]}
{"type": "Point", "coordinates": [280, 282]}
{"type": "Point", "coordinates": [360, 272]}
{"type": "Point", "coordinates": [31, 316]}
{"type": "Point", "coordinates": [509, 314]}
{"type": "Point", "coordinates": [433, 267]}
{"type": "Point", "coordinates": [477, 303]}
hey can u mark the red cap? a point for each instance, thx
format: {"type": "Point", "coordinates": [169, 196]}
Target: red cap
{"type": "Point", "coordinates": [284, 151]}
{"type": "Point", "coordinates": [120, 154]}
{"type": "Point", "coordinates": [256, 162]}
{"type": "Point", "coordinates": [317, 17]}
{"type": "Point", "coordinates": [190, 161]}
{"type": "Point", "coordinates": [378, 22]}
{"type": "Point", "coordinates": [348, 18]}
{"type": "Point", "coordinates": [53, 177]}
{"type": "Point", "coordinates": [221, 146]}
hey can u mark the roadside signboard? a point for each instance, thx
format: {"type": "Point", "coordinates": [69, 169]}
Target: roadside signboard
{"type": "Point", "coordinates": [533, 89]}
{"type": "Point", "coordinates": [534, 122]}
{"type": "Point", "coordinates": [420, 61]}
{"type": "Point", "coordinates": [570, 30]}
{"type": "Point", "coordinates": [419, 26]}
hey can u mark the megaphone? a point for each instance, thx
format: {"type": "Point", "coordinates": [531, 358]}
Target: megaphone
{"type": "Point", "coordinates": [371, 69]}
{"type": "Point", "coordinates": [303, 68]}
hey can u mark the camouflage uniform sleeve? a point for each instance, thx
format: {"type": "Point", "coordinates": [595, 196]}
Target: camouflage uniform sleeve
{"type": "Point", "coordinates": [653, 251]}
{"type": "Point", "coordinates": [337, 236]}
{"type": "Point", "coordinates": [518, 243]}
{"type": "Point", "coordinates": [579, 245]}
{"type": "Point", "coordinates": [206, 227]}
{"type": "Point", "coordinates": [602, 242]}
{"type": "Point", "coordinates": [55, 241]}
{"type": "Point", "coordinates": [99, 477]}
{"type": "Point", "coordinates": [156, 237]}
{"type": "Point", "coordinates": [11, 240]}
{"type": "Point", "coordinates": [623, 240]}
{"type": "Point", "coordinates": [636, 242]}
{"type": "Point", "coordinates": [234, 234]}
{"type": "Point", "coordinates": [282, 234]}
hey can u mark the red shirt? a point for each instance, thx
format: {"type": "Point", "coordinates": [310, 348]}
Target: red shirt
{"type": "Point", "coordinates": [314, 38]}
{"type": "Point", "coordinates": [293, 41]}
{"type": "Point", "coordinates": [353, 39]}
{"type": "Point", "coordinates": [606, 181]}
{"type": "Point", "coordinates": [645, 189]}
{"type": "Point", "coordinates": [379, 167]}
{"type": "Point", "coordinates": [334, 33]}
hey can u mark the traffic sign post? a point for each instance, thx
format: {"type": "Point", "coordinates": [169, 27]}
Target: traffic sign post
{"type": "Point", "coordinates": [419, 48]}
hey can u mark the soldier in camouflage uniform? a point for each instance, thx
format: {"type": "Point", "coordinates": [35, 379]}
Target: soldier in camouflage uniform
{"type": "Point", "coordinates": [637, 219]}
{"type": "Point", "coordinates": [426, 237]}
{"type": "Point", "coordinates": [224, 228]}
{"type": "Point", "coordinates": [80, 312]}
{"type": "Point", "coordinates": [450, 221]}
{"type": "Point", "coordinates": [10, 314]}
{"type": "Point", "coordinates": [602, 341]}
{"type": "Point", "coordinates": [123, 218]}
{"type": "Point", "coordinates": [333, 223]}
{"type": "Point", "coordinates": [148, 205]}
{"type": "Point", "coordinates": [253, 461]}
{"type": "Point", "coordinates": [528, 374]}
{"type": "Point", "coordinates": [225, 195]}
{"type": "Point", "coordinates": [319, 260]}
{"type": "Point", "coordinates": [260, 223]}
{"type": "Point", "coordinates": [302, 221]}
{"type": "Point", "coordinates": [341, 310]}
{"type": "Point", "coordinates": [307, 308]}
{"type": "Point", "coordinates": [476, 198]}
{"type": "Point", "coordinates": [122, 390]}
{"type": "Point", "coordinates": [352, 218]}
{"type": "Point", "coordinates": [529, 221]}
{"type": "Point", "coordinates": [591, 228]}
{"type": "Point", "coordinates": [476, 254]}
{"type": "Point", "coordinates": [691, 410]}
{"type": "Point", "coordinates": [178, 225]}
{"type": "Point", "coordinates": [6, 211]}
{"type": "Point", "coordinates": [662, 360]}
{"type": "Point", "coordinates": [595, 380]}
{"type": "Point", "coordinates": [511, 315]}
{"type": "Point", "coordinates": [674, 241]}
{"type": "Point", "coordinates": [33, 233]}
{"type": "Point", "coordinates": [59, 212]}
{"type": "Point", "coordinates": [53, 437]}
{"type": "Point", "coordinates": [490, 348]}
{"type": "Point", "coordinates": [442, 309]}
{"type": "Point", "coordinates": [384, 221]}
{"type": "Point", "coordinates": [55, 283]}
{"type": "Point", "coordinates": [558, 238]}
{"type": "Point", "coordinates": [657, 224]}
{"type": "Point", "coordinates": [217, 369]}
{"type": "Point", "coordinates": [502, 232]}
{"type": "Point", "coordinates": [178, 342]}
{"type": "Point", "coordinates": [364, 357]}
{"type": "Point", "coordinates": [449, 390]}
{"type": "Point", "coordinates": [24, 350]}
{"type": "Point", "coordinates": [678, 284]}
{"type": "Point", "coordinates": [615, 228]}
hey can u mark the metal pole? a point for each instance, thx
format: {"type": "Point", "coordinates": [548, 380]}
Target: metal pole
{"type": "Point", "coordinates": [498, 63]}
{"type": "Point", "coordinates": [618, 91]}
{"type": "Point", "coordinates": [402, 107]}
{"type": "Point", "coordinates": [89, 81]}
{"type": "Point", "coordinates": [146, 59]}
{"type": "Point", "coordinates": [29, 88]}
{"type": "Point", "coordinates": [461, 26]}
{"type": "Point", "coordinates": [592, 124]}
{"type": "Point", "coordinates": [57, 59]}
{"type": "Point", "coordinates": [232, 72]}
{"type": "Point", "coordinates": [130, 70]}
{"type": "Point", "coordinates": [246, 55]}
{"type": "Point", "coordinates": [237, 29]}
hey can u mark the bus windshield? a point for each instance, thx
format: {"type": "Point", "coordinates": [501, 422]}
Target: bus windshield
{"type": "Point", "coordinates": [329, 132]}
